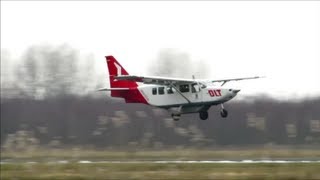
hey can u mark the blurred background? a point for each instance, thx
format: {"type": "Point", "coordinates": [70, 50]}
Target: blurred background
{"type": "Point", "coordinates": [56, 125]}
{"type": "Point", "coordinates": [48, 101]}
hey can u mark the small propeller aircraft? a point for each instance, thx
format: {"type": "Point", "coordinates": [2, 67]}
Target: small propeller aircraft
{"type": "Point", "coordinates": [178, 96]}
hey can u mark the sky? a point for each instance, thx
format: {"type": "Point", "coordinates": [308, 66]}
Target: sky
{"type": "Point", "coordinates": [278, 40]}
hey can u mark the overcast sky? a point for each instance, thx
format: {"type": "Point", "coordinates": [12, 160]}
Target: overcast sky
{"type": "Point", "coordinates": [279, 40]}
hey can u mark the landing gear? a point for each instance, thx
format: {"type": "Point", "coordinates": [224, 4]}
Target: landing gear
{"type": "Point", "coordinates": [223, 112]}
{"type": "Point", "coordinates": [203, 115]}
{"type": "Point", "coordinates": [176, 117]}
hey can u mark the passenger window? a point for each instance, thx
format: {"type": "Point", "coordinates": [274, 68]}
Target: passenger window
{"type": "Point", "coordinates": [169, 90]}
{"type": "Point", "coordinates": [161, 90]}
{"type": "Point", "coordinates": [184, 88]}
{"type": "Point", "coordinates": [154, 91]}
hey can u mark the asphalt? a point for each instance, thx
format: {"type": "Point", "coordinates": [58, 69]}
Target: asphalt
{"type": "Point", "coordinates": [246, 161]}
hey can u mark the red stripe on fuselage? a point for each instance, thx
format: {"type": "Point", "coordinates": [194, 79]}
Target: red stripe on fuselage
{"type": "Point", "coordinates": [133, 95]}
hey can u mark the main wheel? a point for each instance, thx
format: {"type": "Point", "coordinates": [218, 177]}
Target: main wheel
{"type": "Point", "coordinates": [175, 117]}
{"type": "Point", "coordinates": [224, 113]}
{"type": "Point", "coordinates": [203, 115]}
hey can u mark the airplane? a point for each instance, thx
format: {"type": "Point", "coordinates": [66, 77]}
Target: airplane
{"type": "Point", "coordinates": [178, 96]}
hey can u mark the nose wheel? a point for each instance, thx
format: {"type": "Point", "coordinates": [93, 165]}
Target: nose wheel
{"type": "Point", "coordinates": [223, 112]}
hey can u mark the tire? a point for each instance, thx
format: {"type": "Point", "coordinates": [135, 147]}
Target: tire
{"type": "Point", "coordinates": [175, 117]}
{"type": "Point", "coordinates": [224, 113]}
{"type": "Point", "coordinates": [203, 115]}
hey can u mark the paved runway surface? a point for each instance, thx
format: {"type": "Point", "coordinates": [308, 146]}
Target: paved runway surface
{"type": "Point", "coordinates": [166, 162]}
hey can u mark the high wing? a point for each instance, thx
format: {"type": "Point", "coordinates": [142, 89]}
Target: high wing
{"type": "Point", "coordinates": [173, 81]}
{"type": "Point", "coordinates": [224, 81]}
{"type": "Point", "coordinates": [155, 80]}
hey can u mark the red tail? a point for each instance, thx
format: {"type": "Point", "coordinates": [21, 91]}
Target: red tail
{"type": "Point", "coordinates": [115, 69]}
{"type": "Point", "coordinates": [132, 94]}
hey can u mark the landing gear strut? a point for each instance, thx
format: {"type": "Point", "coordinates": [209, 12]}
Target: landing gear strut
{"type": "Point", "coordinates": [175, 117]}
{"type": "Point", "coordinates": [203, 115]}
{"type": "Point", "coordinates": [223, 112]}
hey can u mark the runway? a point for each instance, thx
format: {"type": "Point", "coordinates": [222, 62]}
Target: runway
{"type": "Point", "coordinates": [208, 162]}
{"type": "Point", "coordinates": [246, 161]}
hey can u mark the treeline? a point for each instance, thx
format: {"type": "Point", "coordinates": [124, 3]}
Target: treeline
{"type": "Point", "coordinates": [46, 71]}
{"type": "Point", "coordinates": [48, 98]}
{"type": "Point", "coordinates": [103, 122]}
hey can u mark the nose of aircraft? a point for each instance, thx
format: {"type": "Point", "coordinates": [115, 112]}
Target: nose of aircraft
{"type": "Point", "coordinates": [235, 91]}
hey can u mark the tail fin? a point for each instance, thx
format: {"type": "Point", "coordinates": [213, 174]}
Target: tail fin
{"type": "Point", "coordinates": [122, 88]}
{"type": "Point", "coordinates": [115, 69]}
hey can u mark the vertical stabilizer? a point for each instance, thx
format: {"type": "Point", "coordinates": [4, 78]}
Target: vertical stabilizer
{"type": "Point", "coordinates": [115, 69]}
{"type": "Point", "coordinates": [123, 88]}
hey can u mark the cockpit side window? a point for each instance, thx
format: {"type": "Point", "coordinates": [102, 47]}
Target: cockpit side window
{"type": "Point", "coordinates": [194, 88]}
{"type": "Point", "coordinates": [184, 88]}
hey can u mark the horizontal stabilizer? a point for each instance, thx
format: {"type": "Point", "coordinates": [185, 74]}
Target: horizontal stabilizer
{"type": "Point", "coordinates": [113, 89]}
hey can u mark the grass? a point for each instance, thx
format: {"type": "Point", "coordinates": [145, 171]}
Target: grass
{"type": "Point", "coordinates": [46, 169]}
{"type": "Point", "coordinates": [175, 154]}
{"type": "Point", "coordinates": [160, 171]}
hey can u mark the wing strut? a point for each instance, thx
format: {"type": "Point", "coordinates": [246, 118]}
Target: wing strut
{"type": "Point", "coordinates": [174, 87]}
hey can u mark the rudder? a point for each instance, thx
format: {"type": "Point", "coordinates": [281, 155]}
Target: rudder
{"type": "Point", "coordinates": [115, 69]}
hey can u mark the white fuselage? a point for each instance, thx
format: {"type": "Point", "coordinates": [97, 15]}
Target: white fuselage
{"type": "Point", "coordinates": [180, 96]}
{"type": "Point", "coordinates": [188, 95]}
